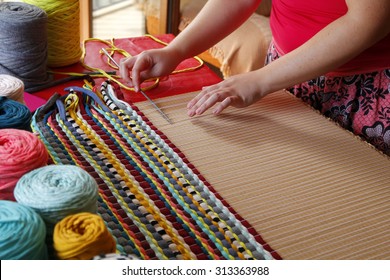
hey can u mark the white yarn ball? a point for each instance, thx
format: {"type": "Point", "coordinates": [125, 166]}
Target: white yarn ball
{"type": "Point", "coordinates": [12, 87]}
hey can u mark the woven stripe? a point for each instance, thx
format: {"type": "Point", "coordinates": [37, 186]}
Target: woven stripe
{"type": "Point", "coordinates": [153, 203]}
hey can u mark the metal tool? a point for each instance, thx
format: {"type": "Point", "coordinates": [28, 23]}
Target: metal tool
{"type": "Point", "coordinates": [141, 91]}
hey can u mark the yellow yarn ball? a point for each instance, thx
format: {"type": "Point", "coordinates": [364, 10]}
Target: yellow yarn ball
{"type": "Point", "coordinates": [82, 236]}
{"type": "Point", "coordinates": [63, 32]}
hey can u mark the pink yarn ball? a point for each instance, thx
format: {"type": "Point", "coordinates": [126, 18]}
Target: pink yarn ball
{"type": "Point", "coordinates": [20, 152]}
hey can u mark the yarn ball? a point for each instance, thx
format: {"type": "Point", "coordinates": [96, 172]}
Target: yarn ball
{"type": "Point", "coordinates": [14, 114]}
{"type": "Point", "coordinates": [81, 237]}
{"type": "Point", "coordinates": [56, 191]}
{"type": "Point", "coordinates": [20, 152]}
{"type": "Point", "coordinates": [12, 88]}
{"type": "Point", "coordinates": [23, 43]}
{"type": "Point", "coordinates": [22, 233]}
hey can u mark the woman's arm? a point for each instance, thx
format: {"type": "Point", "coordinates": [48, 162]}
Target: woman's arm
{"type": "Point", "coordinates": [365, 23]}
{"type": "Point", "coordinates": [216, 20]}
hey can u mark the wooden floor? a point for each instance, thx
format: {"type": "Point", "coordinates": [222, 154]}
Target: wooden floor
{"type": "Point", "coordinates": [119, 21]}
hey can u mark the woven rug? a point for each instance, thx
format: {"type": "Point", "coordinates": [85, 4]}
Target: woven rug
{"type": "Point", "coordinates": [152, 199]}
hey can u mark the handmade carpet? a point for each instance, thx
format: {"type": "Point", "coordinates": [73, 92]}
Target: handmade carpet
{"type": "Point", "coordinates": [310, 188]}
{"type": "Point", "coordinates": [152, 199]}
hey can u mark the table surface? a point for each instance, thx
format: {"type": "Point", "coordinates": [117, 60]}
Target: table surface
{"type": "Point", "coordinates": [182, 82]}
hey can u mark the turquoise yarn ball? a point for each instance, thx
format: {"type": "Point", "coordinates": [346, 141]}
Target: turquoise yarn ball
{"type": "Point", "coordinates": [56, 191]}
{"type": "Point", "coordinates": [14, 114]}
{"type": "Point", "coordinates": [22, 233]}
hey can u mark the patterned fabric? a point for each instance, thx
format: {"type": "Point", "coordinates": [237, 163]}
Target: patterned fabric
{"type": "Point", "coordinates": [359, 103]}
{"type": "Point", "coordinates": [156, 205]}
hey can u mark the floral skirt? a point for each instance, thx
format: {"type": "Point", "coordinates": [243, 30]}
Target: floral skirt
{"type": "Point", "coordinates": [359, 103]}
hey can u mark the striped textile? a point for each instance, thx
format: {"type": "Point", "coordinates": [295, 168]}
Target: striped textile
{"type": "Point", "coordinates": [154, 202]}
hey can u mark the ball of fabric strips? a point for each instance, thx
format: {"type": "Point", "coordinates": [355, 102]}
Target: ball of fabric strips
{"type": "Point", "coordinates": [20, 152]}
{"type": "Point", "coordinates": [23, 44]}
{"type": "Point", "coordinates": [81, 237]}
{"type": "Point", "coordinates": [22, 233]}
{"type": "Point", "coordinates": [63, 27]}
{"type": "Point", "coordinates": [56, 191]}
{"type": "Point", "coordinates": [14, 114]}
{"type": "Point", "coordinates": [12, 87]}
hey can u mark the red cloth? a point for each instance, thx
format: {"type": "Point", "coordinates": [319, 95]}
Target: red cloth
{"type": "Point", "coordinates": [171, 85]}
{"type": "Point", "coordinates": [293, 22]}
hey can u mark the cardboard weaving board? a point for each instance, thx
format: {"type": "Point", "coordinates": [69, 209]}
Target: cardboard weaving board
{"type": "Point", "coordinates": [310, 188]}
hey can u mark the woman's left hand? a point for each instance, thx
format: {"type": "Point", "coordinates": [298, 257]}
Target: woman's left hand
{"type": "Point", "coordinates": [238, 91]}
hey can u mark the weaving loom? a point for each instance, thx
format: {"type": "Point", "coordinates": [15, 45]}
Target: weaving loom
{"type": "Point", "coordinates": [154, 202]}
{"type": "Point", "coordinates": [275, 180]}
{"type": "Point", "coordinates": [310, 188]}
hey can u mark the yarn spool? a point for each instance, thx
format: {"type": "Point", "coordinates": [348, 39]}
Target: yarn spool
{"type": "Point", "coordinates": [14, 114]}
{"type": "Point", "coordinates": [56, 191]}
{"type": "Point", "coordinates": [63, 29]}
{"type": "Point", "coordinates": [22, 233]}
{"type": "Point", "coordinates": [12, 88]}
{"type": "Point", "coordinates": [82, 236]}
{"type": "Point", "coordinates": [20, 152]}
{"type": "Point", "coordinates": [23, 43]}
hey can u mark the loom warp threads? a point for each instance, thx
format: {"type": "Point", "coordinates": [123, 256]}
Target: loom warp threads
{"type": "Point", "coordinates": [63, 29]}
{"type": "Point", "coordinates": [14, 114]}
{"type": "Point", "coordinates": [82, 236]}
{"type": "Point", "coordinates": [22, 233]}
{"type": "Point", "coordinates": [12, 88]}
{"type": "Point", "coordinates": [23, 43]}
{"type": "Point", "coordinates": [56, 191]}
{"type": "Point", "coordinates": [20, 152]}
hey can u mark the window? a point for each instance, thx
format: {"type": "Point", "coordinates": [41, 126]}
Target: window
{"type": "Point", "coordinates": [117, 19]}
{"type": "Point", "coordinates": [106, 19]}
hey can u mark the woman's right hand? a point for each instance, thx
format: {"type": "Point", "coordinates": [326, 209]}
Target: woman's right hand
{"type": "Point", "coordinates": [149, 64]}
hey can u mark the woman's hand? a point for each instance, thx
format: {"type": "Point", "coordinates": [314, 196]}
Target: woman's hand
{"type": "Point", "coordinates": [148, 64]}
{"type": "Point", "coordinates": [237, 91]}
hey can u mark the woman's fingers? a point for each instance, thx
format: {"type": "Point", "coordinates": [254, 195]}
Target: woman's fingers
{"type": "Point", "coordinates": [195, 100]}
{"type": "Point", "coordinates": [133, 69]}
{"type": "Point", "coordinates": [125, 66]}
{"type": "Point", "coordinates": [237, 91]}
{"type": "Point", "coordinates": [224, 104]}
{"type": "Point", "coordinates": [142, 64]}
{"type": "Point", "coordinates": [208, 98]}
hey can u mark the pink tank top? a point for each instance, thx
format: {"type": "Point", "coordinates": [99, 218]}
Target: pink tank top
{"type": "Point", "coordinates": [293, 22]}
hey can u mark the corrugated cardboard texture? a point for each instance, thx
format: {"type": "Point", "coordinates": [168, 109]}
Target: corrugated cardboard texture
{"type": "Point", "coordinates": [311, 189]}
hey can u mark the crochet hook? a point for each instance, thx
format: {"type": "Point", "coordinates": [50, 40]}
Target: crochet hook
{"type": "Point", "coordinates": [141, 91]}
